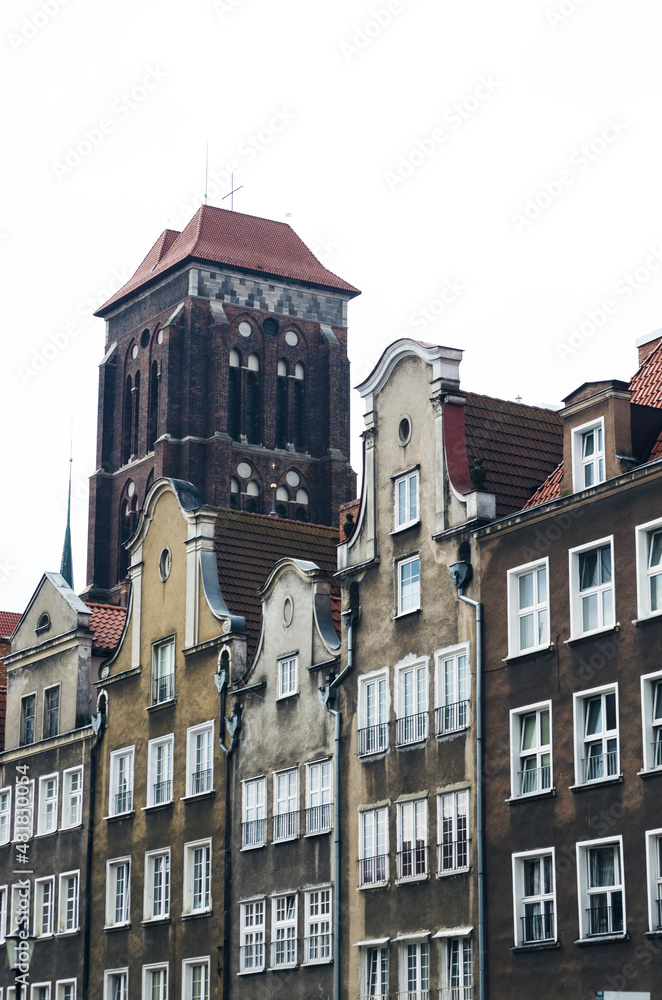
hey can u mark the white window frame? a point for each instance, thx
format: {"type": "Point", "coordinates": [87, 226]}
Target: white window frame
{"type": "Point", "coordinates": [47, 817]}
{"type": "Point", "coordinates": [453, 854]}
{"type": "Point", "coordinates": [403, 515]}
{"type": "Point", "coordinates": [116, 798]}
{"type": "Point", "coordinates": [40, 991]}
{"type": "Point", "coordinates": [374, 969]}
{"type": "Point", "coordinates": [584, 892]}
{"type": "Point", "coordinates": [319, 797]}
{"type": "Point", "coordinates": [109, 990]}
{"type": "Point", "coordinates": [540, 899]}
{"type": "Point", "coordinates": [456, 977]}
{"type": "Point", "coordinates": [419, 988]}
{"type": "Point", "coordinates": [189, 876]}
{"type": "Point", "coordinates": [452, 689]}
{"type": "Point", "coordinates": [156, 794]}
{"type": "Point", "coordinates": [195, 783]}
{"type": "Point", "coordinates": [40, 885]}
{"type": "Point", "coordinates": [414, 603]}
{"type": "Point", "coordinates": [412, 726]}
{"type": "Point", "coordinates": [151, 857]}
{"type": "Point", "coordinates": [318, 925]}
{"type": "Point", "coordinates": [286, 804]}
{"type": "Point", "coordinates": [580, 462]}
{"type": "Point", "coordinates": [521, 783]}
{"type": "Point", "coordinates": [62, 900]}
{"type": "Point", "coordinates": [654, 879]}
{"type": "Point", "coordinates": [4, 904]}
{"type": "Point", "coordinates": [5, 814]}
{"type": "Point", "coordinates": [163, 682]}
{"type": "Point", "coordinates": [58, 688]}
{"type": "Point", "coordinates": [118, 901]}
{"type": "Point", "coordinates": [412, 861]}
{"type": "Point", "coordinates": [284, 957]}
{"type": "Point", "coordinates": [188, 967]}
{"type": "Point", "coordinates": [69, 797]}
{"type": "Point", "coordinates": [373, 736]}
{"type": "Point", "coordinates": [644, 534]}
{"type": "Point", "coordinates": [288, 676]}
{"type": "Point", "coordinates": [373, 829]}
{"type": "Point", "coordinates": [254, 827]}
{"type": "Point", "coordinates": [599, 590]}
{"type": "Point", "coordinates": [24, 829]}
{"type": "Point", "coordinates": [24, 717]}
{"type": "Point", "coordinates": [252, 935]}
{"type": "Point", "coordinates": [651, 720]}
{"type": "Point", "coordinates": [60, 987]}
{"type": "Point", "coordinates": [609, 767]}
{"type": "Point", "coordinates": [538, 609]}
{"type": "Point", "coordinates": [147, 984]}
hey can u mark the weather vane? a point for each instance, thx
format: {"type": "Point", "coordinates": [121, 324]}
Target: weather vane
{"type": "Point", "coordinates": [231, 193]}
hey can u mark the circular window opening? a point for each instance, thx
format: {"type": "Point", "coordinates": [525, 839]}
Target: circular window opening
{"type": "Point", "coordinates": [288, 610]}
{"type": "Point", "coordinates": [270, 326]}
{"type": "Point", "coordinates": [291, 338]}
{"type": "Point", "coordinates": [245, 329]}
{"type": "Point", "coordinates": [144, 338]}
{"type": "Point", "coordinates": [292, 478]}
{"type": "Point", "coordinates": [404, 430]}
{"type": "Point", "coordinates": [131, 489]}
{"type": "Point", "coordinates": [244, 470]}
{"type": "Point", "coordinates": [134, 351]}
{"type": "Point", "coordinates": [165, 562]}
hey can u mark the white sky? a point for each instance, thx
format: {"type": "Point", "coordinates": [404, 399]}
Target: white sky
{"type": "Point", "coordinates": [352, 99]}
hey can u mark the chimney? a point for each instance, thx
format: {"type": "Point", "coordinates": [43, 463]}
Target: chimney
{"type": "Point", "coordinates": [646, 345]}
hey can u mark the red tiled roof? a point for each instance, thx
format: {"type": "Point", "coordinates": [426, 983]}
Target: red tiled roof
{"type": "Point", "coordinates": [646, 383]}
{"type": "Point", "coordinates": [107, 623]}
{"type": "Point", "coordinates": [518, 445]}
{"type": "Point", "coordinates": [549, 490]}
{"type": "Point", "coordinates": [248, 546]}
{"type": "Point", "coordinates": [236, 240]}
{"type": "Point", "coordinates": [8, 622]}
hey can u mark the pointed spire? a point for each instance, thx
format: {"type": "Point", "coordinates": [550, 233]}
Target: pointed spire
{"type": "Point", "coordinates": [67, 564]}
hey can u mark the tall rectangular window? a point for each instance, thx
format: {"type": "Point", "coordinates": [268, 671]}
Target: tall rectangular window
{"type": "Point", "coordinates": [3, 913]}
{"type": "Point", "coordinates": [453, 831]}
{"type": "Point", "coordinates": [163, 672]}
{"type": "Point", "coordinates": [409, 585]}
{"type": "Point", "coordinates": [456, 969]}
{"type": "Point", "coordinates": [253, 832]}
{"type": "Point", "coordinates": [44, 906]}
{"type": "Point", "coordinates": [24, 809]}
{"type": "Point", "coordinates": [534, 888]}
{"type": "Point", "coordinates": [452, 686]}
{"type": "Point", "coordinates": [374, 972]}
{"type": "Point", "coordinates": [373, 711]}
{"type": "Point", "coordinates": [48, 789]}
{"type": "Point", "coordinates": [286, 815]}
{"type": "Point", "coordinates": [28, 709]}
{"type": "Point", "coordinates": [319, 799]}
{"type": "Point", "coordinates": [591, 588]}
{"type": "Point", "coordinates": [197, 877]}
{"type": "Point", "coordinates": [412, 839]}
{"type": "Point", "coordinates": [411, 724]}
{"type": "Point", "coordinates": [600, 884]}
{"type": "Point", "coordinates": [116, 984]}
{"type": "Point", "coordinates": [195, 979]}
{"type": "Point", "coordinates": [649, 568]}
{"type": "Point", "coordinates": [406, 500]}
{"type": "Point", "coordinates": [317, 935]}
{"type": "Point", "coordinates": [651, 709]}
{"type": "Point", "coordinates": [588, 455]}
{"type": "Point", "coordinates": [284, 931]}
{"type": "Point", "coordinates": [65, 989]}
{"type": "Point", "coordinates": [51, 712]}
{"type": "Point", "coordinates": [5, 815]}
{"type": "Point", "coordinates": [531, 750]}
{"type": "Point", "coordinates": [72, 797]}
{"type": "Point", "coordinates": [68, 902]}
{"type": "Point", "coordinates": [118, 886]}
{"type": "Point", "coordinates": [415, 970]}
{"type": "Point", "coordinates": [121, 781]}
{"type": "Point", "coordinates": [200, 758]}
{"type": "Point", "coordinates": [252, 930]}
{"type": "Point", "coordinates": [155, 982]}
{"type": "Point", "coordinates": [287, 676]}
{"type": "Point", "coordinates": [159, 770]}
{"type": "Point", "coordinates": [528, 608]}
{"type": "Point", "coordinates": [596, 735]}
{"type": "Point", "coordinates": [157, 885]}
{"type": "Point", "coordinates": [654, 871]}
{"type": "Point", "coordinates": [373, 847]}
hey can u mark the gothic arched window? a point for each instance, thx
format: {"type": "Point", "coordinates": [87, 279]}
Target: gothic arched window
{"type": "Point", "coordinates": [298, 402]}
{"type": "Point", "coordinates": [282, 391]}
{"type": "Point", "coordinates": [234, 395]}
{"type": "Point", "coordinates": [152, 432]}
{"type": "Point", "coordinates": [127, 421]}
{"type": "Point", "coordinates": [253, 400]}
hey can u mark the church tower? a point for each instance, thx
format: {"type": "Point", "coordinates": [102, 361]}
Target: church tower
{"type": "Point", "coordinates": [225, 365]}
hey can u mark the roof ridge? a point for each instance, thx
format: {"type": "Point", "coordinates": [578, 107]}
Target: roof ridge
{"type": "Point", "coordinates": [510, 402]}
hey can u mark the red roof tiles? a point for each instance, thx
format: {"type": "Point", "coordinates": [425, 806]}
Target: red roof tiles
{"type": "Point", "coordinates": [8, 622]}
{"type": "Point", "coordinates": [549, 490]}
{"type": "Point", "coordinates": [107, 623]}
{"type": "Point", "coordinates": [236, 240]}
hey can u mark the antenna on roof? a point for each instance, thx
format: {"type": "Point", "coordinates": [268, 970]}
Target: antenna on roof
{"type": "Point", "coordinates": [230, 194]}
{"type": "Point", "coordinates": [206, 169]}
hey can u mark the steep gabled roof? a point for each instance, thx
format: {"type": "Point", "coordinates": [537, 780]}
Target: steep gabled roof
{"type": "Point", "coordinates": [549, 490]}
{"type": "Point", "coordinates": [518, 445]}
{"type": "Point", "coordinates": [249, 545]}
{"type": "Point", "coordinates": [8, 622]}
{"type": "Point", "coordinates": [246, 242]}
{"type": "Point", "coordinates": [107, 623]}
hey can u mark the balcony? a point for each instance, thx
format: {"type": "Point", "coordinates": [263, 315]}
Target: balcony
{"type": "Point", "coordinates": [286, 826]}
{"type": "Point", "coordinates": [201, 781]}
{"type": "Point", "coordinates": [373, 871]}
{"type": "Point", "coordinates": [604, 920]}
{"type": "Point", "coordinates": [600, 765]}
{"type": "Point", "coordinates": [452, 718]}
{"type": "Point", "coordinates": [537, 927]}
{"type": "Point", "coordinates": [534, 779]}
{"type": "Point", "coordinates": [161, 792]}
{"type": "Point", "coordinates": [659, 911]}
{"type": "Point", "coordinates": [453, 855]}
{"type": "Point", "coordinates": [163, 688]}
{"type": "Point", "coordinates": [456, 993]}
{"type": "Point", "coordinates": [251, 957]}
{"type": "Point", "coordinates": [284, 953]}
{"type": "Point", "coordinates": [253, 833]}
{"type": "Point", "coordinates": [373, 739]}
{"type": "Point", "coordinates": [123, 801]}
{"type": "Point", "coordinates": [411, 729]}
{"type": "Point", "coordinates": [318, 819]}
{"type": "Point", "coordinates": [412, 862]}
{"type": "Point", "coordinates": [317, 948]}
{"type": "Point", "coordinates": [413, 995]}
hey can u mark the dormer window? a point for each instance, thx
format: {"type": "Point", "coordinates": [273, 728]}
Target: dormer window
{"type": "Point", "coordinates": [588, 452]}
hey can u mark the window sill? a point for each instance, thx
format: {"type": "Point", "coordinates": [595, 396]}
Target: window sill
{"type": "Point", "coordinates": [111, 928]}
{"type": "Point", "coordinates": [319, 961]}
{"type": "Point", "coordinates": [155, 920]}
{"type": "Point", "coordinates": [452, 732]}
{"type": "Point", "coordinates": [399, 615]}
{"type": "Point", "coordinates": [541, 946]}
{"type": "Point", "coordinates": [603, 939]}
{"type": "Point", "coordinates": [412, 743]}
{"type": "Point", "coordinates": [158, 808]}
{"type": "Point", "coordinates": [405, 527]}
{"type": "Point", "coordinates": [287, 697]}
{"type": "Point", "coordinates": [46, 833]}
{"type": "Point", "coordinates": [161, 704]}
{"type": "Point", "coordinates": [374, 755]}
{"type": "Point", "coordinates": [75, 826]}
{"type": "Point", "coordinates": [197, 914]}
{"type": "Point", "coordinates": [653, 934]}
{"type": "Point", "coordinates": [318, 833]}
{"type": "Point", "coordinates": [549, 793]}
{"type": "Point", "coordinates": [251, 972]}
{"type": "Point", "coordinates": [528, 654]}
{"type": "Point", "coordinates": [455, 871]}
{"type": "Point", "coordinates": [118, 817]}
{"type": "Point", "coordinates": [649, 772]}
{"type": "Point", "coordinates": [586, 636]}
{"type": "Point", "coordinates": [75, 930]}
{"type": "Point", "coordinates": [617, 779]}
{"type": "Point", "coordinates": [285, 840]}
{"type": "Point", "coordinates": [414, 879]}
{"type": "Point", "coordinates": [655, 616]}
{"type": "Point", "coordinates": [373, 885]}
{"type": "Point", "coordinates": [199, 795]}
{"type": "Point", "coordinates": [279, 968]}
{"type": "Point", "coordinates": [253, 847]}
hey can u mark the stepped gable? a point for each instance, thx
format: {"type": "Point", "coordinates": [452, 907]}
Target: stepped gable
{"type": "Point", "coordinates": [247, 548]}
{"type": "Point", "coordinates": [247, 242]}
{"type": "Point", "coordinates": [518, 445]}
{"type": "Point", "coordinates": [107, 623]}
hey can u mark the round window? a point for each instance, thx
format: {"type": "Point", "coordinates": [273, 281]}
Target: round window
{"type": "Point", "coordinates": [134, 351]}
{"type": "Point", "coordinates": [159, 337]}
{"type": "Point", "coordinates": [131, 489]}
{"type": "Point", "coordinates": [291, 338]}
{"type": "Point", "coordinates": [292, 478]}
{"type": "Point", "coordinates": [245, 329]}
{"type": "Point", "coordinates": [144, 338]}
{"type": "Point", "coordinates": [244, 470]}
{"type": "Point", "coordinates": [404, 430]}
{"type": "Point", "coordinates": [165, 562]}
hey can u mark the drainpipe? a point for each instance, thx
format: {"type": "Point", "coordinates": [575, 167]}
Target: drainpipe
{"type": "Point", "coordinates": [98, 722]}
{"type": "Point", "coordinates": [327, 695]}
{"type": "Point", "coordinates": [460, 574]}
{"type": "Point", "coordinates": [233, 725]}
